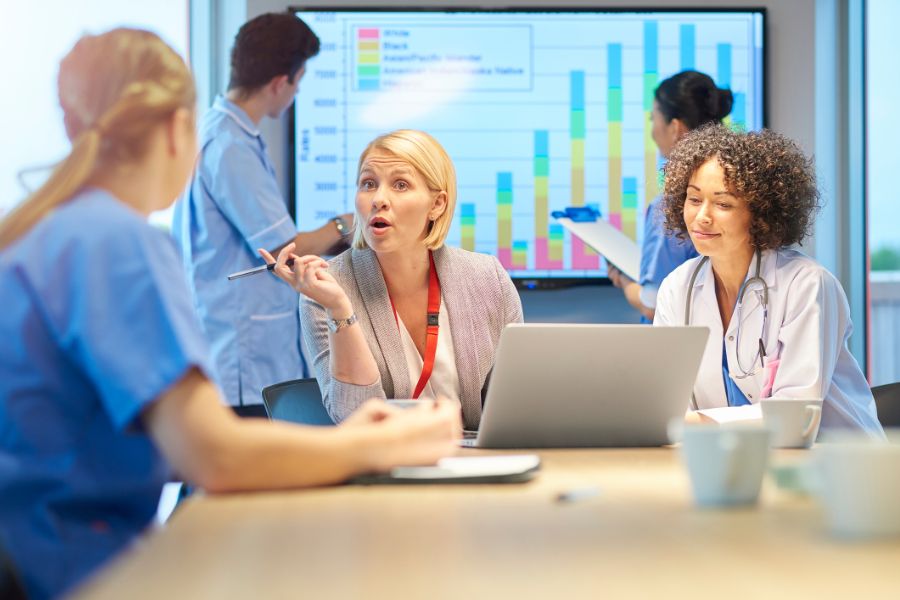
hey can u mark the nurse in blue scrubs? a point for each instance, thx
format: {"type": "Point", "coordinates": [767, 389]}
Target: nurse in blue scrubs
{"type": "Point", "coordinates": [105, 376]}
{"type": "Point", "coordinates": [682, 102]}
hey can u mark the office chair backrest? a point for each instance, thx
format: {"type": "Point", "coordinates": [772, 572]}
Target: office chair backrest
{"type": "Point", "coordinates": [11, 586]}
{"type": "Point", "coordinates": [887, 401]}
{"type": "Point", "coordinates": [297, 401]}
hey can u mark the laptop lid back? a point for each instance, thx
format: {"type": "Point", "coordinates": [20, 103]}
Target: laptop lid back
{"type": "Point", "coordinates": [589, 385]}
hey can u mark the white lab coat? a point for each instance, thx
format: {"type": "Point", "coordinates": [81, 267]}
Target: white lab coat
{"type": "Point", "coordinates": [808, 327]}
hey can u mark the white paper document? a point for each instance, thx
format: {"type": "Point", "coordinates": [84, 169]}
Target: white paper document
{"type": "Point", "coordinates": [616, 247]}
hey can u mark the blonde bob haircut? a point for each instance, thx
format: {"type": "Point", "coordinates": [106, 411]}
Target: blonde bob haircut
{"type": "Point", "coordinates": [429, 158]}
{"type": "Point", "coordinates": [114, 89]}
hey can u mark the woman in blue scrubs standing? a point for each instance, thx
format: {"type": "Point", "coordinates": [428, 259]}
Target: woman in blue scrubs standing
{"type": "Point", "coordinates": [105, 376]}
{"type": "Point", "coordinates": [681, 103]}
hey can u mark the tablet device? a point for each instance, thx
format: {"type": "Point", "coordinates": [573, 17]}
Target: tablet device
{"type": "Point", "coordinates": [463, 469]}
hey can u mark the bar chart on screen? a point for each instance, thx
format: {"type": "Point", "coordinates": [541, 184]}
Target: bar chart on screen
{"type": "Point", "coordinates": [538, 111]}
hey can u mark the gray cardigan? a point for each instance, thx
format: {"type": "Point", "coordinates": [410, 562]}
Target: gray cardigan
{"type": "Point", "coordinates": [480, 300]}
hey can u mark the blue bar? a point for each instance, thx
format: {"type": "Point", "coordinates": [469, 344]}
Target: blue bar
{"type": "Point", "coordinates": [651, 46]}
{"type": "Point", "coordinates": [520, 245]}
{"type": "Point", "coordinates": [629, 185]}
{"type": "Point", "coordinates": [614, 65]}
{"type": "Point", "coordinates": [576, 85]}
{"type": "Point", "coordinates": [504, 182]}
{"type": "Point", "coordinates": [368, 84]}
{"type": "Point", "coordinates": [686, 39]}
{"type": "Point", "coordinates": [556, 229]}
{"type": "Point", "coordinates": [541, 143]}
{"type": "Point", "coordinates": [739, 110]}
{"type": "Point", "coordinates": [723, 59]}
{"type": "Point", "coordinates": [468, 210]}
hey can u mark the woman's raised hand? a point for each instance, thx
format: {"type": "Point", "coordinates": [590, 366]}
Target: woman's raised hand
{"type": "Point", "coordinates": [309, 276]}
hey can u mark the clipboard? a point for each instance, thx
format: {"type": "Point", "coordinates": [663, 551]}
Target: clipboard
{"type": "Point", "coordinates": [616, 247]}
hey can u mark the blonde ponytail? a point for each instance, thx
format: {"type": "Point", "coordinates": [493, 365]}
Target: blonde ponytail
{"type": "Point", "coordinates": [113, 88]}
{"type": "Point", "coordinates": [66, 179]}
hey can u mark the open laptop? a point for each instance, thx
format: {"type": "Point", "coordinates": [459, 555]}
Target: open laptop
{"type": "Point", "coordinates": [557, 386]}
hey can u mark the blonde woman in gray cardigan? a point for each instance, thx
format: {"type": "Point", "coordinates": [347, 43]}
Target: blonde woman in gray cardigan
{"type": "Point", "coordinates": [369, 315]}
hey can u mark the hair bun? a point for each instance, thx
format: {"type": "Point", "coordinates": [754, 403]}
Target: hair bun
{"type": "Point", "coordinates": [724, 100]}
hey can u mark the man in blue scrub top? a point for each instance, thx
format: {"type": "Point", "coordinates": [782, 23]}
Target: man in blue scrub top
{"type": "Point", "coordinates": [233, 207]}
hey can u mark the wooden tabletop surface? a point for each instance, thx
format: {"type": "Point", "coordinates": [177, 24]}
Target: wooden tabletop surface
{"type": "Point", "coordinates": [641, 536]}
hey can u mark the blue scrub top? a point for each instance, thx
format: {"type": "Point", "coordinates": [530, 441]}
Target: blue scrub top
{"type": "Point", "coordinates": [661, 253]}
{"type": "Point", "coordinates": [233, 207]}
{"type": "Point", "coordinates": [96, 323]}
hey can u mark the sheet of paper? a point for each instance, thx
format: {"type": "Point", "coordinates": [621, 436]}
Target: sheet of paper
{"type": "Point", "coordinates": [471, 466]}
{"type": "Point", "coordinates": [616, 247]}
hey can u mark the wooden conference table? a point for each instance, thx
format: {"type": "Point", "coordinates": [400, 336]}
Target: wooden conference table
{"type": "Point", "coordinates": [639, 537]}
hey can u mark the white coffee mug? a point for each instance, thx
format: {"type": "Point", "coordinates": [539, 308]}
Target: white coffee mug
{"type": "Point", "coordinates": [859, 486]}
{"type": "Point", "coordinates": [794, 421]}
{"type": "Point", "coordinates": [726, 463]}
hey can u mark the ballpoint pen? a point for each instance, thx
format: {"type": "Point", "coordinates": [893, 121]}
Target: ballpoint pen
{"type": "Point", "coordinates": [259, 269]}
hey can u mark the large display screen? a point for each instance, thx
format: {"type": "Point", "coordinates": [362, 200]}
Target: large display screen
{"type": "Point", "coordinates": [538, 110]}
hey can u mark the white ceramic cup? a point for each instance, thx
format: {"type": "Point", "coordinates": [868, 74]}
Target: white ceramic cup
{"type": "Point", "coordinates": [794, 421]}
{"type": "Point", "coordinates": [726, 463]}
{"type": "Point", "coordinates": [859, 486]}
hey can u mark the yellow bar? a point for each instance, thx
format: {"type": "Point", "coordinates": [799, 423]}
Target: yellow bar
{"type": "Point", "coordinates": [468, 241]}
{"type": "Point", "coordinates": [541, 206]}
{"type": "Point", "coordinates": [369, 58]}
{"type": "Point", "coordinates": [367, 45]}
{"type": "Point", "coordinates": [629, 223]}
{"type": "Point", "coordinates": [615, 185]}
{"type": "Point", "coordinates": [577, 172]}
{"type": "Point", "coordinates": [651, 174]}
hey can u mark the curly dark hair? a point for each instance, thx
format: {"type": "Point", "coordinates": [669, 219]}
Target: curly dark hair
{"type": "Point", "coordinates": [767, 170]}
{"type": "Point", "coordinates": [268, 46]}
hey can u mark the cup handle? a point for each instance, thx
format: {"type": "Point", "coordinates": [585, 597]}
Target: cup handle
{"type": "Point", "coordinates": [815, 415]}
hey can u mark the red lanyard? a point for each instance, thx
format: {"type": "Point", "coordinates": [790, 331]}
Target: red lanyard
{"type": "Point", "coordinates": [431, 329]}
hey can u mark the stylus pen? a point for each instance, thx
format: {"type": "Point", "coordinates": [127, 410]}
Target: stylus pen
{"type": "Point", "coordinates": [259, 269]}
{"type": "Point", "coordinates": [577, 494]}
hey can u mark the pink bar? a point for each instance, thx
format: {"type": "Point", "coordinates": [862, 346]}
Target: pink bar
{"type": "Point", "coordinates": [580, 260]}
{"type": "Point", "coordinates": [615, 219]}
{"type": "Point", "coordinates": [542, 254]}
{"type": "Point", "coordinates": [367, 34]}
{"type": "Point", "coordinates": [504, 255]}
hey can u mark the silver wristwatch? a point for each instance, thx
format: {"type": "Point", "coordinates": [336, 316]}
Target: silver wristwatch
{"type": "Point", "coordinates": [336, 325]}
{"type": "Point", "coordinates": [340, 225]}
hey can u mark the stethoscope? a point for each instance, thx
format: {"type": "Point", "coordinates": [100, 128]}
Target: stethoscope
{"type": "Point", "coordinates": [762, 295]}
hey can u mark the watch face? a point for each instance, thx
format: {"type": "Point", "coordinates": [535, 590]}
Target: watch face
{"type": "Point", "coordinates": [340, 225]}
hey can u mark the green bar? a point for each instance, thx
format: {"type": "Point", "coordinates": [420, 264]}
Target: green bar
{"type": "Point", "coordinates": [614, 105]}
{"type": "Point", "coordinates": [576, 124]}
{"type": "Point", "coordinates": [368, 71]}
{"type": "Point", "coordinates": [464, 221]}
{"type": "Point", "coordinates": [504, 197]}
{"type": "Point", "coordinates": [629, 201]}
{"type": "Point", "coordinates": [541, 166]}
{"type": "Point", "coordinates": [650, 82]}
